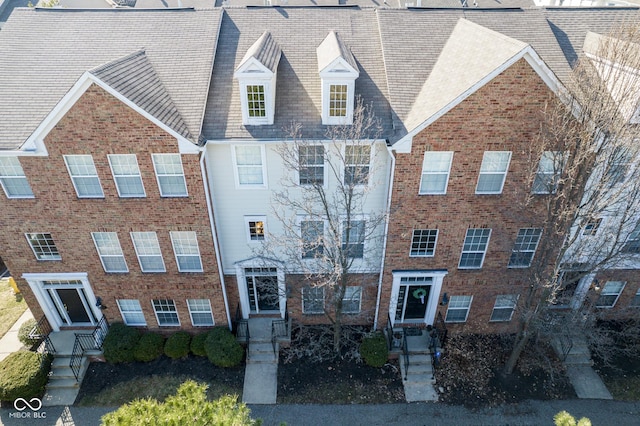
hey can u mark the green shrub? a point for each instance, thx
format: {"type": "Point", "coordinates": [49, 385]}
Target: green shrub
{"type": "Point", "coordinates": [374, 350]}
{"type": "Point", "coordinates": [23, 374]}
{"type": "Point", "coordinates": [197, 344]}
{"type": "Point", "coordinates": [177, 345]}
{"type": "Point", "coordinates": [120, 343]}
{"type": "Point", "coordinates": [222, 348]}
{"type": "Point", "coordinates": [25, 330]}
{"type": "Point", "coordinates": [188, 406]}
{"type": "Point", "coordinates": [149, 347]}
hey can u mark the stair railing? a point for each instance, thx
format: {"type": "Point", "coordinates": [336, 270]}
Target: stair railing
{"type": "Point", "coordinates": [405, 353]}
{"type": "Point", "coordinates": [87, 342]}
{"type": "Point", "coordinates": [280, 328]}
{"type": "Point", "coordinates": [39, 335]}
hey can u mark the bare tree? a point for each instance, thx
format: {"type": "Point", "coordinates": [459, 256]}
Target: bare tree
{"type": "Point", "coordinates": [330, 231]}
{"type": "Point", "coordinates": [586, 187]}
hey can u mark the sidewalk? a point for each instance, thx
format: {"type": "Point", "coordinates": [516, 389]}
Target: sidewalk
{"type": "Point", "coordinates": [9, 342]}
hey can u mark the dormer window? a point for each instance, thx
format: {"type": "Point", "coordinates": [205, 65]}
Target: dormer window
{"type": "Point", "coordinates": [338, 71]}
{"type": "Point", "coordinates": [257, 77]}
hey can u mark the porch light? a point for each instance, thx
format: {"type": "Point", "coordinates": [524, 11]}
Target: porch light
{"type": "Point", "coordinates": [445, 300]}
{"type": "Point", "coordinates": [99, 304]}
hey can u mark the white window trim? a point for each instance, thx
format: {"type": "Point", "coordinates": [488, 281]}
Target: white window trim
{"type": "Point", "coordinates": [484, 253]}
{"type": "Point", "coordinates": [175, 252]}
{"type": "Point", "coordinates": [356, 218]}
{"type": "Point", "coordinates": [138, 175]}
{"type": "Point", "coordinates": [239, 185]}
{"type": "Point", "coordinates": [153, 306]}
{"type": "Point", "coordinates": [210, 311]}
{"type": "Point", "coordinates": [512, 307]}
{"type": "Point", "coordinates": [269, 102]}
{"type": "Point", "coordinates": [435, 243]}
{"type": "Point", "coordinates": [437, 277]}
{"type": "Point", "coordinates": [535, 249]}
{"type": "Point", "coordinates": [184, 179]}
{"type": "Point", "coordinates": [124, 319]}
{"type": "Point", "coordinates": [73, 181]}
{"type": "Point", "coordinates": [372, 153]}
{"type": "Point", "coordinates": [504, 174]}
{"type": "Point", "coordinates": [422, 173]}
{"type": "Point", "coordinates": [53, 259]}
{"type": "Point", "coordinates": [320, 312]}
{"type": "Point", "coordinates": [126, 267]}
{"type": "Point", "coordinates": [356, 292]}
{"type": "Point", "coordinates": [164, 268]}
{"type": "Point", "coordinates": [16, 177]}
{"type": "Point", "coordinates": [602, 293]}
{"type": "Point", "coordinates": [468, 309]}
{"type": "Point", "coordinates": [556, 173]}
{"type": "Point", "coordinates": [299, 220]}
{"type": "Point", "coordinates": [595, 224]}
{"type": "Point", "coordinates": [247, 228]}
{"type": "Point", "coordinates": [325, 172]}
{"type": "Point", "coordinates": [635, 305]}
{"type": "Point", "coordinates": [327, 82]}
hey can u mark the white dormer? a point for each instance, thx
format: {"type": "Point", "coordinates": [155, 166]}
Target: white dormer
{"type": "Point", "coordinates": [338, 71]}
{"type": "Point", "coordinates": [257, 77]}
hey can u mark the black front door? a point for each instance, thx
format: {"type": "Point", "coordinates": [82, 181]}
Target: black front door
{"type": "Point", "coordinates": [417, 300]}
{"type": "Point", "coordinates": [72, 303]}
{"type": "Point", "coordinates": [262, 287]}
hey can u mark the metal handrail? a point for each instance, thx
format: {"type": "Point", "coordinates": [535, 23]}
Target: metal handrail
{"type": "Point", "coordinates": [405, 352]}
{"type": "Point", "coordinates": [280, 328]}
{"type": "Point", "coordinates": [39, 334]}
{"type": "Point", "coordinates": [86, 342]}
{"type": "Point", "coordinates": [389, 333]}
{"type": "Point", "coordinates": [441, 328]}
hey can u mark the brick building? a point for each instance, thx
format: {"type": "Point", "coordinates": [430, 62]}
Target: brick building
{"type": "Point", "coordinates": [139, 172]}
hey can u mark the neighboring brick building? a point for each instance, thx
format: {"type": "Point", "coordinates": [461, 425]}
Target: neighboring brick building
{"type": "Point", "coordinates": [138, 171]}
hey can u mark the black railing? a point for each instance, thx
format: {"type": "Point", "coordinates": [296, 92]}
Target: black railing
{"type": "Point", "coordinates": [39, 335]}
{"type": "Point", "coordinates": [388, 330]}
{"type": "Point", "coordinates": [405, 353]}
{"type": "Point", "coordinates": [441, 329]}
{"type": "Point", "coordinates": [241, 329]}
{"type": "Point", "coordinates": [87, 342]}
{"type": "Point", "coordinates": [280, 329]}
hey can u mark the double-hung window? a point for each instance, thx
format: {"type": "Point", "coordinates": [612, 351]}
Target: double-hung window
{"type": "Point", "coordinates": [504, 307]}
{"type": "Point", "coordinates": [311, 167]}
{"type": "Point", "coordinates": [617, 166]}
{"type": "Point", "coordinates": [185, 247]}
{"type": "Point", "coordinates": [312, 234]}
{"type": "Point", "coordinates": [256, 106]}
{"type": "Point", "coordinates": [592, 226]}
{"type": "Point", "coordinates": [313, 300]}
{"type": "Point", "coordinates": [423, 242]}
{"type": "Point", "coordinates": [43, 246]}
{"type": "Point", "coordinates": [458, 309]}
{"type": "Point", "coordinates": [13, 180]}
{"type": "Point", "coordinates": [436, 167]}
{"type": "Point", "coordinates": [110, 252]}
{"type": "Point", "coordinates": [249, 165]}
{"type": "Point", "coordinates": [352, 300]}
{"type": "Point", "coordinates": [525, 247]}
{"type": "Point", "coordinates": [148, 251]}
{"type": "Point", "coordinates": [338, 100]}
{"type": "Point", "coordinates": [357, 159]}
{"type": "Point", "coordinates": [493, 172]}
{"type": "Point", "coordinates": [166, 312]}
{"type": "Point", "coordinates": [353, 236]}
{"type": "Point", "coordinates": [84, 176]}
{"type": "Point", "coordinates": [632, 245]}
{"type": "Point", "coordinates": [200, 311]}
{"type": "Point", "coordinates": [126, 174]}
{"type": "Point", "coordinates": [170, 175]}
{"type": "Point", "coordinates": [549, 171]}
{"type": "Point", "coordinates": [635, 302]}
{"type": "Point", "coordinates": [474, 248]}
{"type": "Point", "coordinates": [131, 312]}
{"type": "Point", "coordinates": [610, 293]}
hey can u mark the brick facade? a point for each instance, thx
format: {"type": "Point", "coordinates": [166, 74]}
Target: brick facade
{"type": "Point", "coordinates": [504, 115]}
{"type": "Point", "coordinates": [98, 124]}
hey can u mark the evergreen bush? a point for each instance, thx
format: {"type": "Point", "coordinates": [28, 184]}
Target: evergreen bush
{"type": "Point", "coordinates": [23, 333]}
{"type": "Point", "coordinates": [197, 344]}
{"type": "Point", "coordinates": [149, 347]}
{"type": "Point", "coordinates": [374, 350]}
{"type": "Point", "coordinates": [222, 348]}
{"type": "Point", "coordinates": [23, 374]}
{"type": "Point", "coordinates": [177, 345]}
{"type": "Point", "coordinates": [120, 343]}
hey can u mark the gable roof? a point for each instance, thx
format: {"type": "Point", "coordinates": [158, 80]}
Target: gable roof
{"type": "Point", "coordinates": [265, 50]}
{"type": "Point", "coordinates": [333, 48]}
{"type": "Point", "coordinates": [43, 53]}
{"type": "Point", "coordinates": [133, 76]}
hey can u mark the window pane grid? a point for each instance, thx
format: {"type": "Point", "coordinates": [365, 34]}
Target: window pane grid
{"type": "Point", "coordinates": [170, 175]}
{"type": "Point", "coordinates": [110, 252]}
{"type": "Point", "coordinates": [548, 174]}
{"type": "Point", "coordinates": [43, 246]}
{"type": "Point", "coordinates": [338, 100]}
{"type": "Point", "coordinates": [200, 311]}
{"type": "Point", "coordinates": [423, 242]}
{"type": "Point", "coordinates": [249, 165]}
{"type": "Point", "coordinates": [474, 248]}
{"type": "Point", "coordinates": [633, 241]}
{"type": "Point", "coordinates": [504, 307]}
{"type": "Point", "coordinates": [313, 300]}
{"type": "Point", "coordinates": [493, 172]}
{"type": "Point", "coordinates": [458, 309]}
{"type": "Point", "coordinates": [311, 160]}
{"type": "Point", "coordinates": [312, 233]}
{"type": "Point", "coordinates": [166, 312]}
{"type": "Point", "coordinates": [13, 179]}
{"type": "Point", "coordinates": [256, 230]}
{"type": "Point", "coordinates": [255, 101]}
{"type": "Point", "coordinates": [126, 174]}
{"type": "Point", "coordinates": [525, 247]}
{"type": "Point", "coordinates": [131, 312]}
{"type": "Point", "coordinates": [610, 293]}
{"type": "Point", "coordinates": [84, 176]}
{"type": "Point", "coordinates": [351, 300]}
{"type": "Point", "coordinates": [185, 247]}
{"type": "Point", "coordinates": [353, 238]}
{"type": "Point", "coordinates": [148, 251]}
{"type": "Point", "coordinates": [435, 172]}
{"type": "Point", "coordinates": [357, 159]}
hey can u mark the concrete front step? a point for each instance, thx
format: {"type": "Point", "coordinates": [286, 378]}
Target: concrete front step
{"type": "Point", "coordinates": [262, 358]}
{"type": "Point", "coordinates": [578, 359]}
{"type": "Point", "coordinates": [420, 392]}
{"type": "Point", "coordinates": [56, 382]}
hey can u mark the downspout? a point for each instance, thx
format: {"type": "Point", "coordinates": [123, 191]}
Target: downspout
{"type": "Point", "coordinates": [216, 246]}
{"type": "Point", "coordinates": [384, 238]}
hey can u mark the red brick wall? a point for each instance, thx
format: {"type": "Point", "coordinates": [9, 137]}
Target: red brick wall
{"type": "Point", "coordinates": [98, 124]}
{"type": "Point", "coordinates": [621, 308]}
{"type": "Point", "coordinates": [504, 115]}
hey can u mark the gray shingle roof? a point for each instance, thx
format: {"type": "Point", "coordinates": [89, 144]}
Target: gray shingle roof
{"type": "Point", "coordinates": [133, 76]}
{"type": "Point", "coordinates": [265, 50]}
{"type": "Point", "coordinates": [298, 31]}
{"type": "Point", "coordinates": [332, 48]}
{"type": "Point", "coordinates": [44, 52]}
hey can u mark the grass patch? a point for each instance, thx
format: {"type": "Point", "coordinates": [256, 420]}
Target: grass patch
{"type": "Point", "coordinates": [157, 387]}
{"type": "Point", "coordinates": [11, 306]}
{"type": "Point", "coordinates": [623, 388]}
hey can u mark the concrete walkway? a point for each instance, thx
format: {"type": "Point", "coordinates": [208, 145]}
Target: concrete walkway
{"type": "Point", "coordinates": [261, 371]}
{"type": "Point", "coordinates": [9, 342]}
